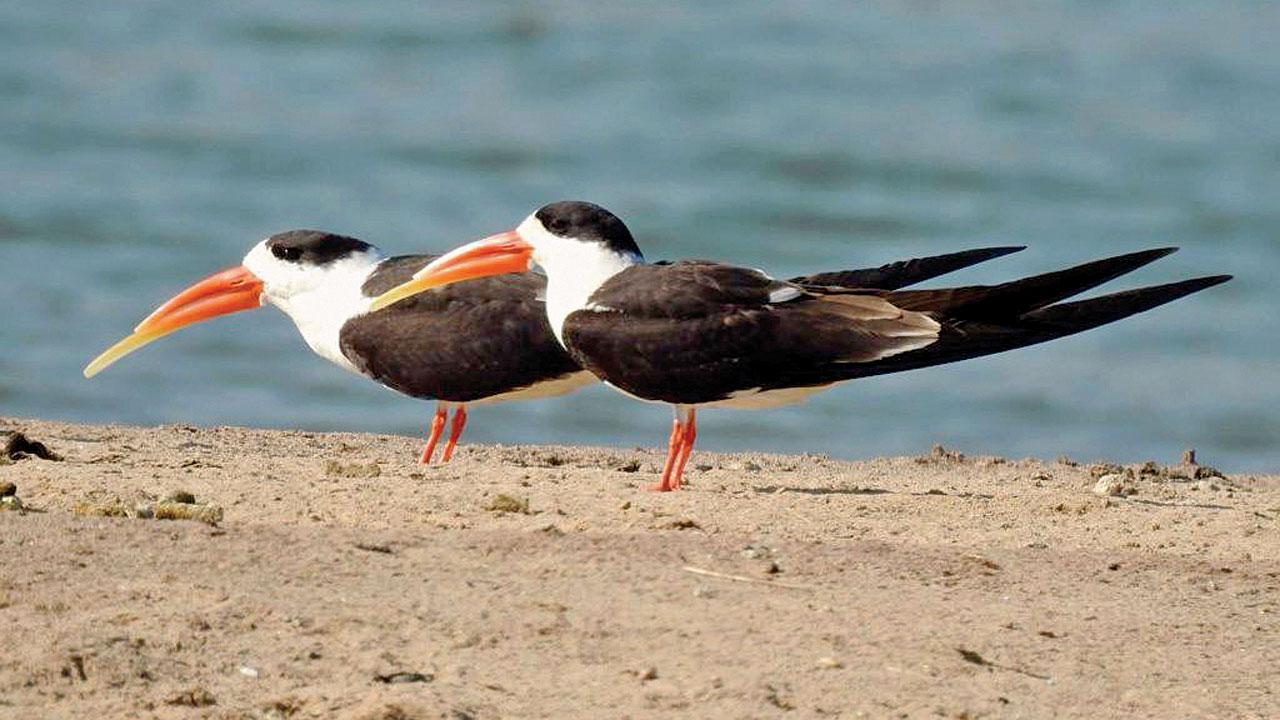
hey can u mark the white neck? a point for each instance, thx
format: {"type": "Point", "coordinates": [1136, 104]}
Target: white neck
{"type": "Point", "coordinates": [575, 270]}
{"type": "Point", "coordinates": [320, 300]}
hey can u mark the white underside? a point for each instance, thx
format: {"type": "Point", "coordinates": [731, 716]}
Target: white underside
{"type": "Point", "coordinates": [757, 399]}
{"type": "Point", "coordinates": [752, 399]}
{"type": "Point", "coordinates": [550, 388]}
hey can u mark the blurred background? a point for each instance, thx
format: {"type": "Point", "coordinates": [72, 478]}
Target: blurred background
{"type": "Point", "coordinates": [144, 145]}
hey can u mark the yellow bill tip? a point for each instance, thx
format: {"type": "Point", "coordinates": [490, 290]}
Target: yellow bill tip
{"type": "Point", "coordinates": [119, 350]}
{"type": "Point", "coordinates": [396, 294]}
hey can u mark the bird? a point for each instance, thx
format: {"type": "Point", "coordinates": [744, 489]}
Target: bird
{"type": "Point", "coordinates": [696, 333]}
{"type": "Point", "coordinates": [482, 342]}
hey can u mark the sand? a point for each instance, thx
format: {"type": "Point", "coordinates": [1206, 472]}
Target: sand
{"type": "Point", "coordinates": [343, 580]}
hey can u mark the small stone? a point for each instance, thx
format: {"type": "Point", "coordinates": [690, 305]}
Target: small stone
{"type": "Point", "coordinates": [772, 568]}
{"type": "Point", "coordinates": [8, 489]}
{"type": "Point", "coordinates": [398, 678]}
{"type": "Point", "coordinates": [1099, 470]}
{"type": "Point", "coordinates": [650, 673]}
{"type": "Point", "coordinates": [10, 502]}
{"type": "Point", "coordinates": [249, 672]}
{"type": "Point", "coordinates": [503, 504]}
{"type": "Point", "coordinates": [751, 466]}
{"type": "Point", "coordinates": [208, 514]}
{"type": "Point", "coordinates": [1109, 485]}
{"type": "Point", "coordinates": [181, 496]}
{"type": "Point", "coordinates": [829, 663]}
{"type": "Point", "coordinates": [333, 468]}
{"type": "Point", "coordinates": [144, 512]}
{"type": "Point", "coordinates": [20, 447]}
{"type": "Point", "coordinates": [195, 697]}
{"type": "Point", "coordinates": [702, 591]}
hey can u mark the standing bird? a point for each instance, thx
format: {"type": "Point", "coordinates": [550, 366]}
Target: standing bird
{"type": "Point", "coordinates": [486, 341]}
{"type": "Point", "coordinates": [703, 334]}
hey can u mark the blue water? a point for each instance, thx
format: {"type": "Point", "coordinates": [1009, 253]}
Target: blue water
{"type": "Point", "coordinates": [146, 144]}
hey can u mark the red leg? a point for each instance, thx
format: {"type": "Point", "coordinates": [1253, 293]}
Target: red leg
{"type": "Point", "coordinates": [673, 450]}
{"type": "Point", "coordinates": [455, 432]}
{"type": "Point", "coordinates": [437, 429]}
{"type": "Point", "coordinates": [686, 447]}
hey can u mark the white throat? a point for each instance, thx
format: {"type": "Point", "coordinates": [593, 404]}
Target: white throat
{"type": "Point", "coordinates": [319, 299]}
{"type": "Point", "coordinates": [575, 270]}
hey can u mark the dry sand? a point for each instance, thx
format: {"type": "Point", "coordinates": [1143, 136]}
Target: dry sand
{"type": "Point", "coordinates": [345, 581]}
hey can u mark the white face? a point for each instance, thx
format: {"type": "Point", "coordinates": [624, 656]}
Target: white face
{"type": "Point", "coordinates": [284, 280]}
{"type": "Point", "coordinates": [319, 298]}
{"type": "Point", "coordinates": [575, 269]}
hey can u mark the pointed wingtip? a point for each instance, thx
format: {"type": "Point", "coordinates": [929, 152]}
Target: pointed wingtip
{"type": "Point", "coordinates": [1209, 281]}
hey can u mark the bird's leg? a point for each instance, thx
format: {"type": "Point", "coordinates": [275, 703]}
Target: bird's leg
{"type": "Point", "coordinates": [686, 447]}
{"type": "Point", "coordinates": [455, 432]}
{"type": "Point", "coordinates": [673, 451]}
{"type": "Point", "coordinates": [437, 429]}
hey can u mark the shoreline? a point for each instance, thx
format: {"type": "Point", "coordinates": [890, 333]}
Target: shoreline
{"type": "Point", "coordinates": [340, 579]}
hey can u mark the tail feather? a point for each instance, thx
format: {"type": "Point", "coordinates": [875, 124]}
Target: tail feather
{"type": "Point", "coordinates": [964, 339]}
{"type": "Point", "coordinates": [1073, 317]}
{"type": "Point", "coordinates": [1013, 299]}
{"type": "Point", "coordinates": [905, 272]}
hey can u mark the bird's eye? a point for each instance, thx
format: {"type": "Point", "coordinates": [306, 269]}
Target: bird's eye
{"type": "Point", "coordinates": [288, 254]}
{"type": "Point", "coordinates": [558, 225]}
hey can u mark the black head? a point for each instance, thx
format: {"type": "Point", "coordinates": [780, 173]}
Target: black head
{"type": "Point", "coordinates": [313, 247]}
{"type": "Point", "coordinates": [587, 222]}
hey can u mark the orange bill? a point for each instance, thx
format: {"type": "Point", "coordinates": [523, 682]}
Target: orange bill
{"type": "Point", "coordinates": [499, 254]}
{"type": "Point", "coordinates": [230, 291]}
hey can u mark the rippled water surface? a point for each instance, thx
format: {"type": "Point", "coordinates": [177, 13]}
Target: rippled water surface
{"type": "Point", "coordinates": [146, 144]}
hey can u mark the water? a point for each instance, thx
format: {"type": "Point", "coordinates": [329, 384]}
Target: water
{"type": "Point", "coordinates": [146, 144]}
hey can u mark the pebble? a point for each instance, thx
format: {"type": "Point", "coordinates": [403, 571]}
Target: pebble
{"type": "Point", "coordinates": [247, 671]}
{"type": "Point", "coordinates": [829, 663]}
{"type": "Point", "coordinates": [1112, 485]}
{"type": "Point", "coordinates": [10, 502]}
{"type": "Point", "coordinates": [702, 591]}
{"type": "Point", "coordinates": [8, 489]}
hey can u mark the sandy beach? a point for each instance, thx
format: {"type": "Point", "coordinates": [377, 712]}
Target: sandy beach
{"type": "Point", "coordinates": [328, 575]}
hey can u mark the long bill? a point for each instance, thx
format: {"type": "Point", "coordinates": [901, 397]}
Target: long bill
{"type": "Point", "coordinates": [499, 254]}
{"type": "Point", "coordinates": [230, 291]}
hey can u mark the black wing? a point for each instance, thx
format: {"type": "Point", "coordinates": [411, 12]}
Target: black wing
{"type": "Point", "coordinates": [459, 343]}
{"type": "Point", "coordinates": [693, 332]}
